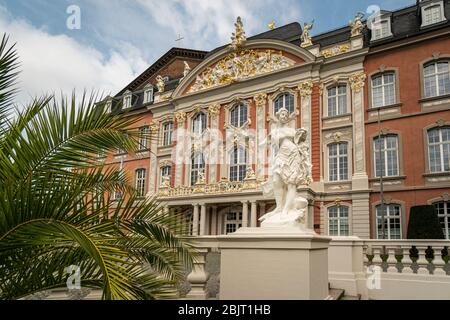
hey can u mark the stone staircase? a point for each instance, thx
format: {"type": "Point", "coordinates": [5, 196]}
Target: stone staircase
{"type": "Point", "coordinates": [339, 294]}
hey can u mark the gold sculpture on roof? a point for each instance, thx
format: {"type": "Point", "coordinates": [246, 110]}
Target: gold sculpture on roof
{"type": "Point", "coordinates": [239, 66]}
{"type": "Point", "coordinates": [238, 38]}
{"type": "Point", "coordinates": [357, 25]}
{"type": "Point", "coordinates": [305, 37]}
{"type": "Point", "coordinates": [271, 25]}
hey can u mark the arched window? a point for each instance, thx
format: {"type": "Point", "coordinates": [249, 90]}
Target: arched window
{"type": "Point", "coordinates": [338, 221]}
{"type": "Point", "coordinates": [199, 123]}
{"type": "Point", "coordinates": [338, 161]}
{"type": "Point", "coordinates": [436, 79]}
{"type": "Point", "coordinates": [167, 130]}
{"type": "Point", "coordinates": [140, 182]}
{"type": "Point", "coordinates": [443, 211]}
{"type": "Point", "coordinates": [238, 115]}
{"type": "Point", "coordinates": [386, 159]}
{"type": "Point", "coordinates": [197, 166]}
{"type": "Point", "coordinates": [439, 149]}
{"type": "Point", "coordinates": [383, 90]}
{"type": "Point", "coordinates": [337, 100]}
{"type": "Point", "coordinates": [238, 164]}
{"type": "Point", "coordinates": [391, 214]}
{"type": "Point", "coordinates": [286, 101]}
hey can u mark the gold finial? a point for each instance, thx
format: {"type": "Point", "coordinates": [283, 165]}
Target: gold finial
{"type": "Point", "coordinates": [271, 25]}
{"type": "Point", "coordinates": [238, 38]}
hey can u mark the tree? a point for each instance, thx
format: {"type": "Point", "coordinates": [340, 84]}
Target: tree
{"type": "Point", "coordinates": [424, 223]}
{"type": "Point", "coordinates": [53, 212]}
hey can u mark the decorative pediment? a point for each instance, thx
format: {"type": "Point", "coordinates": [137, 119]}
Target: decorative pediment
{"type": "Point", "coordinates": [256, 57]}
{"type": "Point", "coordinates": [239, 66]}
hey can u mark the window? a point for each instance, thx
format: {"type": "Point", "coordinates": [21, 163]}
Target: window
{"type": "Point", "coordinates": [391, 214]}
{"type": "Point", "coordinates": [386, 161]}
{"type": "Point", "coordinates": [148, 95]}
{"type": "Point", "coordinates": [436, 79]}
{"type": "Point", "coordinates": [338, 221]}
{"type": "Point", "coordinates": [338, 161]}
{"type": "Point", "coordinates": [443, 211]}
{"type": "Point", "coordinates": [286, 101]}
{"type": "Point", "coordinates": [108, 106]}
{"type": "Point", "coordinates": [433, 13]}
{"type": "Point", "coordinates": [383, 90]}
{"type": "Point", "coordinates": [439, 149]}
{"type": "Point", "coordinates": [238, 115]}
{"type": "Point", "coordinates": [381, 29]}
{"type": "Point", "coordinates": [127, 100]}
{"type": "Point", "coordinates": [233, 221]}
{"type": "Point", "coordinates": [120, 151]}
{"type": "Point", "coordinates": [143, 138]}
{"type": "Point", "coordinates": [117, 195]}
{"type": "Point", "coordinates": [337, 100]}
{"type": "Point", "coordinates": [166, 173]}
{"type": "Point", "coordinates": [140, 182]}
{"type": "Point", "coordinates": [167, 131]}
{"type": "Point", "coordinates": [199, 123]}
{"type": "Point", "coordinates": [197, 166]}
{"type": "Point", "coordinates": [238, 164]}
{"type": "Point", "coordinates": [97, 199]}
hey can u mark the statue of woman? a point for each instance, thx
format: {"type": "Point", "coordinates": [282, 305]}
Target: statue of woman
{"type": "Point", "coordinates": [291, 168]}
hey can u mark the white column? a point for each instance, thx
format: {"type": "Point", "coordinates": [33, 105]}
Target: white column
{"type": "Point", "coordinates": [195, 221]}
{"type": "Point", "coordinates": [203, 219]}
{"type": "Point", "coordinates": [214, 221]}
{"type": "Point", "coordinates": [253, 215]}
{"type": "Point", "coordinates": [219, 224]}
{"type": "Point", "coordinates": [262, 210]}
{"type": "Point", "coordinates": [244, 214]}
{"type": "Point", "coordinates": [360, 180]}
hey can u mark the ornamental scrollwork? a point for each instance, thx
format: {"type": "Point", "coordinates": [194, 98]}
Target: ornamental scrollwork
{"type": "Point", "coordinates": [240, 65]}
{"type": "Point", "coordinates": [305, 88]}
{"type": "Point", "coordinates": [357, 81]}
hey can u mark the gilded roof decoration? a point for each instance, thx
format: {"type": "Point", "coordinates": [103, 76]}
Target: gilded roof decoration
{"type": "Point", "coordinates": [239, 66]}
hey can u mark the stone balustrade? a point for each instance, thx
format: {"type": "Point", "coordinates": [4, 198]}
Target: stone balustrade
{"type": "Point", "coordinates": [223, 187]}
{"type": "Point", "coordinates": [408, 256]}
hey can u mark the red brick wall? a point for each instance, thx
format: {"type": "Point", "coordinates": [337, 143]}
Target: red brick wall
{"type": "Point", "coordinates": [413, 150]}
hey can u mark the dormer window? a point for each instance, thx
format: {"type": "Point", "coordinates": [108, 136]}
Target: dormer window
{"type": "Point", "coordinates": [108, 106]}
{"type": "Point", "coordinates": [433, 13]}
{"type": "Point", "coordinates": [127, 100]}
{"type": "Point", "coordinates": [381, 29]}
{"type": "Point", "coordinates": [148, 95]}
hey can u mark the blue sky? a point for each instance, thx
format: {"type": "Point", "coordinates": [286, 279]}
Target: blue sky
{"type": "Point", "coordinates": [118, 39]}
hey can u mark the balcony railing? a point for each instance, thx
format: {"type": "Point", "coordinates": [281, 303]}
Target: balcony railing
{"type": "Point", "coordinates": [223, 187]}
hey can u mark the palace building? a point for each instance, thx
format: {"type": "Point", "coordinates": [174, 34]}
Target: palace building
{"type": "Point", "coordinates": [374, 98]}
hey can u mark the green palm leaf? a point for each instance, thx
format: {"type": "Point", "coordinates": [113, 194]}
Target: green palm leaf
{"type": "Point", "coordinates": [54, 206]}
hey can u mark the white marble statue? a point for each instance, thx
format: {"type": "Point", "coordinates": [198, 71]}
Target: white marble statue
{"type": "Point", "coordinates": [187, 68]}
{"type": "Point", "coordinates": [291, 168]}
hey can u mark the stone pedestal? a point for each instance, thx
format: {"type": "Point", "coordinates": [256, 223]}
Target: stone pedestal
{"type": "Point", "coordinates": [274, 264]}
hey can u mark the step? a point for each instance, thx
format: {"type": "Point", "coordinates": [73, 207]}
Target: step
{"type": "Point", "coordinates": [335, 294]}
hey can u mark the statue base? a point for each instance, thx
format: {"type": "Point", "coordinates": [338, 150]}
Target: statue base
{"type": "Point", "coordinates": [274, 263]}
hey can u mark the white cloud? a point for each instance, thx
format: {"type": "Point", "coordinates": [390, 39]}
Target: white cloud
{"type": "Point", "coordinates": [55, 63]}
{"type": "Point", "coordinates": [209, 23]}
